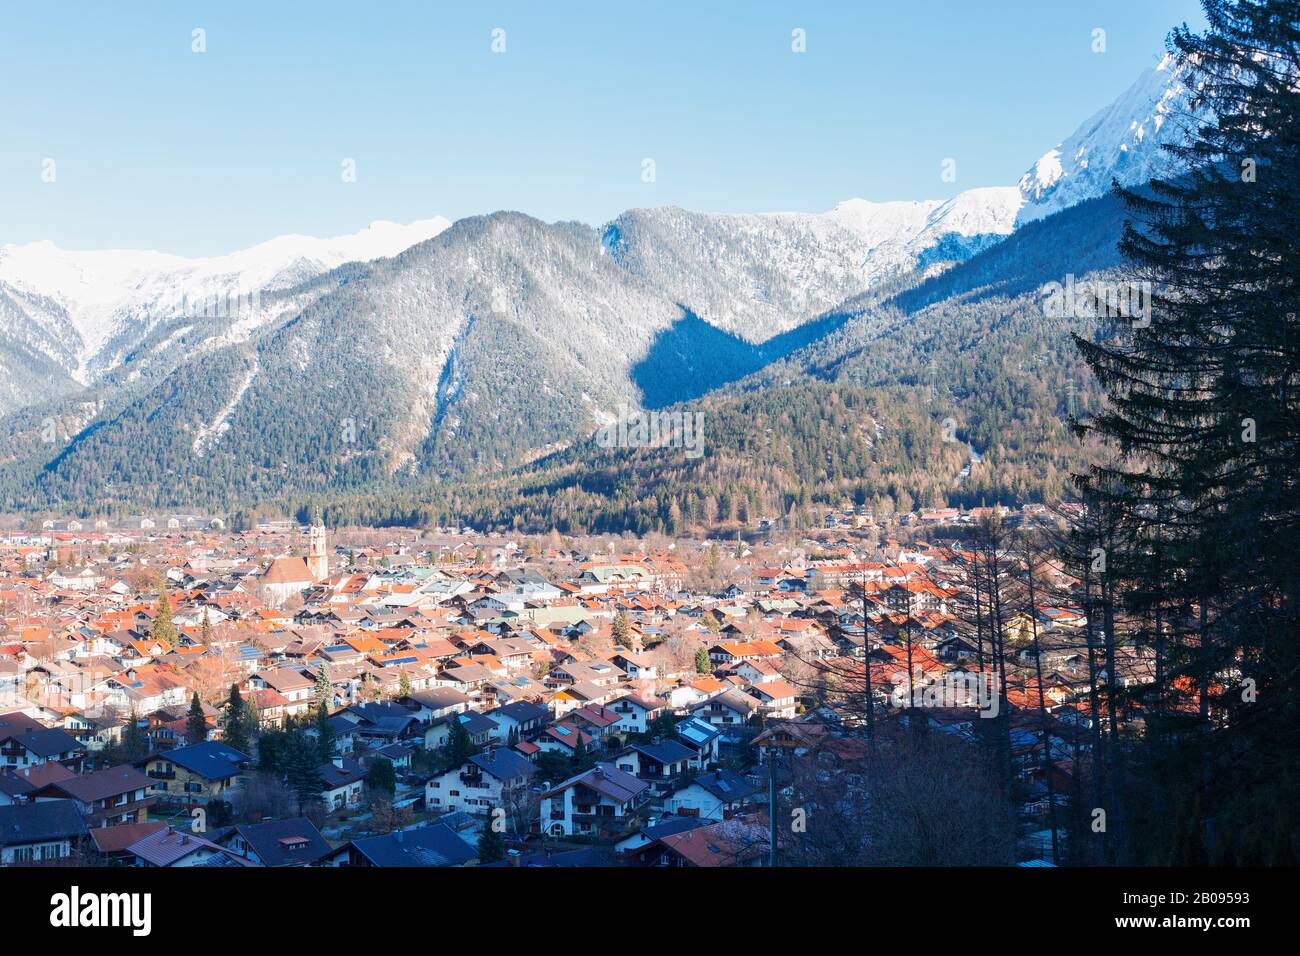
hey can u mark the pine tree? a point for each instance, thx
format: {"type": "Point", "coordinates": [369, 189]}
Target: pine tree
{"type": "Point", "coordinates": [324, 735]}
{"type": "Point", "coordinates": [196, 725]}
{"type": "Point", "coordinates": [236, 730]}
{"type": "Point", "coordinates": [459, 747]}
{"type": "Point", "coordinates": [164, 630]}
{"type": "Point", "coordinates": [702, 663]}
{"type": "Point", "coordinates": [381, 777]}
{"type": "Point", "coordinates": [622, 630]}
{"type": "Point", "coordinates": [404, 684]}
{"type": "Point", "coordinates": [133, 742]}
{"type": "Point", "coordinates": [1203, 415]}
{"type": "Point", "coordinates": [324, 686]}
{"type": "Point", "coordinates": [581, 756]}
{"type": "Point", "coordinates": [302, 769]}
{"type": "Point", "coordinates": [491, 843]}
{"type": "Point", "coordinates": [252, 715]}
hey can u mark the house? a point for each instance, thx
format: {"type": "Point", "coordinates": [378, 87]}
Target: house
{"type": "Point", "coordinates": [637, 667]}
{"type": "Point", "coordinates": [197, 773]}
{"type": "Point", "coordinates": [491, 779]}
{"type": "Point", "coordinates": [595, 719]}
{"type": "Point", "coordinates": [94, 733]}
{"type": "Point", "coordinates": [434, 845]}
{"type": "Point", "coordinates": [520, 717]}
{"type": "Point", "coordinates": [660, 763]}
{"type": "Point", "coordinates": [564, 739]}
{"type": "Point", "coordinates": [664, 826]}
{"type": "Point", "coordinates": [635, 714]}
{"type": "Point", "coordinates": [111, 842]}
{"type": "Point", "coordinates": [776, 698]}
{"type": "Point", "coordinates": [719, 795]}
{"type": "Point", "coordinates": [292, 842]}
{"type": "Point", "coordinates": [380, 723]}
{"type": "Point", "coordinates": [603, 799]}
{"type": "Point", "coordinates": [730, 709]}
{"type": "Point", "coordinates": [107, 797]}
{"type": "Point", "coordinates": [18, 786]}
{"type": "Point", "coordinates": [173, 847]}
{"type": "Point", "coordinates": [25, 742]}
{"type": "Point", "coordinates": [733, 651]}
{"type": "Point", "coordinates": [436, 703]}
{"type": "Point", "coordinates": [742, 841]}
{"type": "Point", "coordinates": [40, 832]}
{"type": "Point", "coordinates": [702, 738]}
{"type": "Point", "coordinates": [342, 782]}
{"type": "Point", "coordinates": [480, 728]}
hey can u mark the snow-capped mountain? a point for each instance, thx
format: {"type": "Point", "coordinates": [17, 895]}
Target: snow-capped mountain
{"type": "Point", "coordinates": [757, 275]}
{"type": "Point", "coordinates": [468, 348]}
{"type": "Point", "coordinates": [1122, 141]}
{"type": "Point", "coordinates": [88, 309]}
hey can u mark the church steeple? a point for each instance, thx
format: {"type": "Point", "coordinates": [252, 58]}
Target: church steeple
{"type": "Point", "coordinates": [318, 561]}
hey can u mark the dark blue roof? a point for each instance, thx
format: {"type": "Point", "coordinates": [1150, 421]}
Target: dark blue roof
{"type": "Point", "coordinates": [665, 751]}
{"type": "Point", "coordinates": [212, 760]}
{"type": "Point", "coordinates": [504, 764]}
{"type": "Point", "coordinates": [433, 845]}
{"type": "Point", "coordinates": [670, 825]}
{"type": "Point", "coordinates": [521, 711]}
{"type": "Point", "coordinates": [39, 822]}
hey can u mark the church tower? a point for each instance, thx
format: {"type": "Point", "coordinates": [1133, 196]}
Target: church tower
{"type": "Point", "coordinates": [318, 560]}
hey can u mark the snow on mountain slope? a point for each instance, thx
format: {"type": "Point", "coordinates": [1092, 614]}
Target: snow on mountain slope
{"type": "Point", "coordinates": [759, 274]}
{"type": "Point", "coordinates": [113, 299]}
{"type": "Point", "coordinates": [1122, 141]}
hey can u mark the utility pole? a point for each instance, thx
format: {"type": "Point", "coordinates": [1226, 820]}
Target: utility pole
{"type": "Point", "coordinates": [866, 664]}
{"type": "Point", "coordinates": [771, 805]}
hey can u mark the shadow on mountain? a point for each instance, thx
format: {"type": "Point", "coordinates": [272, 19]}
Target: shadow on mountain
{"type": "Point", "coordinates": [1077, 240]}
{"type": "Point", "coordinates": [692, 357]}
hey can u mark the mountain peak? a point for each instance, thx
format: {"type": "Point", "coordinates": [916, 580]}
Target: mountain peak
{"type": "Point", "coordinates": [1122, 141]}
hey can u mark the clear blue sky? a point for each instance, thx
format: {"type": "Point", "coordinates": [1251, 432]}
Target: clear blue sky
{"type": "Point", "coordinates": [158, 147]}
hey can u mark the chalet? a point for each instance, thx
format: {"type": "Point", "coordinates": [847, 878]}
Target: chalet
{"type": "Point", "coordinates": [563, 739]}
{"type": "Point", "coordinates": [635, 714]}
{"type": "Point", "coordinates": [342, 782]}
{"type": "Point", "coordinates": [636, 666]}
{"type": "Point", "coordinates": [381, 722]}
{"type": "Point", "coordinates": [522, 718]}
{"type": "Point", "coordinates": [293, 685]}
{"type": "Point", "coordinates": [603, 799]}
{"type": "Point", "coordinates": [434, 845]}
{"type": "Point", "coordinates": [730, 709]}
{"type": "Point", "coordinates": [495, 778]}
{"type": "Point", "coordinates": [40, 832]}
{"type": "Point", "coordinates": [197, 773]}
{"type": "Point", "coordinates": [479, 727]}
{"type": "Point", "coordinates": [702, 738]}
{"type": "Point", "coordinates": [596, 719]}
{"type": "Point", "coordinates": [105, 797]}
{"type": "Point", "coordinates": [741, 841]}
{"type": "Point", "coordinates": [25, 742]}
{"type": "Point", "coordinates": [174, 847]}
{"type": "Point", "coordinates": [277, 843]}
{"type": "Point", "coordinates": [733, 651]}
{"type": "Point", "coordinates": [719, 795]}
{"type": "Point", "coordinates": [776, 698]}
{"type": "Point", "coordinates": [661, 763]}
